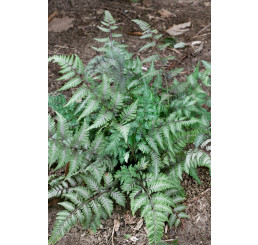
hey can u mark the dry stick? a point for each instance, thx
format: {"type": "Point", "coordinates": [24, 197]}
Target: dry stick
{"type": "Point", "coordinates": [168, 240]}
{"type": "Point", "coordinates": [65, 4]}
{"type": "Point", "coordinates": [197, 197]}
{"type": "Point", "coordinates": [121, 12]}
{"type": "Point", "coordinates": [55, 13]}
{"type": "Point", "coordinates": [202, 35]}
{"type": "Point", "coordinates": [112, 236]}
{"type": "Point", "coordinates": [176, 51]}
{"type": "Point", "coordinates": [203, 29]}
{"type": "Point", "coordinates": [72, 3]}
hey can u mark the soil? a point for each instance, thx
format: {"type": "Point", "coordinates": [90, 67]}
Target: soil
{"type": "Point", "coordinates": [83, 18]}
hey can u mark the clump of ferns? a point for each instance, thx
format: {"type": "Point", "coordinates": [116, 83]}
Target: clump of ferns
{"type": "Point", "coordinates": [134, 136]}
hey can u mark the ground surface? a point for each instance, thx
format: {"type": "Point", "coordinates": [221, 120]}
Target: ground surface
{"type": "Point", "coordinates": [78, 39]}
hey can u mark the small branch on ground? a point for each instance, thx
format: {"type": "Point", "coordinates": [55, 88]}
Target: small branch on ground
{"type": "Point", "coordinates": [197, 197]}
{"type": "Point", "coordinates": [50, 17]}
{"type": "Point", "coordinates": [112, 236]}
{"type": "Point", "coordinates": [168, 240]}
{"type": "Point", "coordinates": [203, 29]}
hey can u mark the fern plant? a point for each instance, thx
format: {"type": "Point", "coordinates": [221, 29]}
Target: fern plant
{"type": "Point", "coordinates": [137, 132]}
{"type": "Point", "coordinates": [57, 103]}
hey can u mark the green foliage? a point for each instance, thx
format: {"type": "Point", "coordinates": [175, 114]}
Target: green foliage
{"type": "Point", "coordinates": [137, 131]}
{"type": "Point", "coordinates": [57, 103]}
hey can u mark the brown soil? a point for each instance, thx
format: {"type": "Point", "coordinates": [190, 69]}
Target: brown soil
{"type": "Point", "coordinates": [79, 39]}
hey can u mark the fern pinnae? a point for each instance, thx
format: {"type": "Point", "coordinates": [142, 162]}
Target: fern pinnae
{"type": "Point", "coordinates": [130, 121]}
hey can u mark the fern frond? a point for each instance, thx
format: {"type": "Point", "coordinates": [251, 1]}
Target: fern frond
{"type": "Point", "coordinates": [151, 58]}
{"type": "Point", "coordinates": [129, 113]}
{"type": "Point", "coordinates": [91, 106]}
{"type": "Point", "coordinates": [124, 130]}
{"type": "Point", "coordinates": [142, 24]}
{"type": "Point", "coordinates": [81, 138]}
{"type": "Point", "coordinates": [196, 158]}
{"type": "Point", "coordinates": [103, 117]}
{"type": "Point", "coordinates": [148, 45]}
{"type": "Point", "coordinates": [62, 127]}
{"type": "Point", "coordinates": [78, 95]}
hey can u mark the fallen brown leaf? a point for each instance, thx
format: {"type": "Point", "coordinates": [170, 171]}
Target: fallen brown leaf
{"type": "Point", "coordinates": [153, 17]}
{"type": "Point", "coordinates": [166, 229]}
{"type": "Point", "coordinates": [139, 225]}
{"type": "Point", "coordinates": [179, 29]}
{"type": "Point", "coordinates": [67, 168]}
{"type": "Point", "coordinates": [100, 11]}
{"type": "Point", "coordinates": [147, 3]}
{"type": "Point", "coordinates": [137, 5]}
{"type": "Point", "coordinates": [135, 33]}
{"type": "Point", "coordinates": [53, 202]}
{"type": "Point", "coordinates": [198, 49]}
{"type": "Point", "coordinates": [134, 239]}
{"type": "Point", "coordinates": [60, 24]}
{"type": "Point", "coordinates": [116, 224]}
{"type": "Point", "coordinates": [129, 220]}
{"type": "Point", "coordinates": [165, 13]}
{"type": "Point", "coordinates": [145, 229]}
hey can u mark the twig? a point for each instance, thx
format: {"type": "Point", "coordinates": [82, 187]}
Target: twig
{"type": "Point", "coordinates": [50, 17]}
{"type": "Point", "coordinates": [59, 46]}
{"type": "Point", "coordinates": [72, 3]}
{"type": "Point", "coordinates": [184, 57]}
{"type": "Point", "coordinates": [202, 35]}
{"type": "Point", "coordinates": [112, 236]}
{"type": "Point", "coordinates": [168, 240]}
{"type": "Point", "coordinates": [135, 33]}
{"type": "Point", "coordinates": [141, 7]}
{"type": "Point", "coordinates": [197, 197]}
{"type": "Point", "coordinates": [203, 29]}
{"type": "Point", "coordinates": [121, 12]}
{"type": "Point", "coordinates": [65, 4]}
{"type": "Point", "coordinates": [176, 51]}
{"type": "Point", "coordinates": [194, 224]}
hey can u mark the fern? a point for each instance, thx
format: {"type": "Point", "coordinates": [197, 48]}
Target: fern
{"type": "Point", "coordinates": [86, 205]}
{"type": "Point", "coordinates": [126, 132]}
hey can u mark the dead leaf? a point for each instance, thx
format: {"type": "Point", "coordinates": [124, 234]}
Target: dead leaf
{"type": "Point", "coordinates": [196, 43]}
{"type": "Point", "coordinates": [139, 225]}
{"type": "Point", "coordinates": [179, 29]}
{"type": "Point", "coordinates": [165, 13]}
{"type": "Point", "coordinates": [166, 229]}
{"type": "Point", "coordinates": [137, 5]}
{"type": "Point", "coordinates": [153, 17]}
{"type": "Point", "coordinates": [53, 202]}
{"type": "Point", "coordinates": [67, 168]}
{"type": "Point", "coordinates": [134, 239]}
{"type": "Point", "coordinates": [116, 224]}
{"type": "Point", "coordinates": [100, 11]}
{"type": "Point", "coordinates": [60, 24]}
{"type": "Point", "coordinates": [176, 51]}
{"type": "Point", "coordinates": [147, 3]}
{"type": "Point", "coordinates": [129, 220]}
{"type": "Point", "coordinates": [135, 33]}
{"type": "Point", "coordinates": [145, 229]}
{"type": "Point", "coordinates": [198, 49]}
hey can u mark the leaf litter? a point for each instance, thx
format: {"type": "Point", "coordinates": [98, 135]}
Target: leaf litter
{"type": "Point", "coordinates": [179, 29]}
{"type": "Point", "coordinates": [60, 24]}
